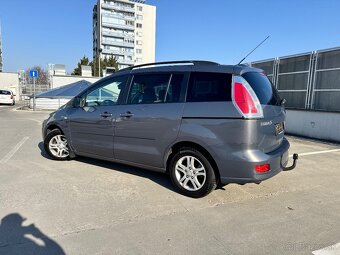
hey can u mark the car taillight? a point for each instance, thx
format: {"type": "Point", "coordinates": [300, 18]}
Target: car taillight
{"type": "Point", "coordinates": [262, 168]}
{"type": "Point", "coordinates": [245, 99]}
{"type": "Point", "coordinates": [11, 96]}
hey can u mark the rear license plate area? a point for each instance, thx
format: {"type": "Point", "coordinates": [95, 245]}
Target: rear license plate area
{"type": "Point", "coordinates": [279, 128]}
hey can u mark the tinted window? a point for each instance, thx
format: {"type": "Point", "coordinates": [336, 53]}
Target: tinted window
{"type": "Point", "coordinates": [107, 93]}
{"type": "Point", "coordinates": [263, 88]}
{"type": "Point", "coordinates": [4, 92]}
{"type": "Point", "coordinates": [208, 87]}
{"type": "Point", "coordinates": [149, 89]}
{"type": "Point", "coordinates": [174, 90]}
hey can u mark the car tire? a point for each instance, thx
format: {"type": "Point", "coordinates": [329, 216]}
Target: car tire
{"type": "Point", "coordinates": [192, 173]}
{"type": "Point", "coordinates": [56, 145]}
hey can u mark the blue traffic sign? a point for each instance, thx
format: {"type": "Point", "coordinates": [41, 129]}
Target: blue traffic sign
{"type": "Point", "coordinates": [34, 74]}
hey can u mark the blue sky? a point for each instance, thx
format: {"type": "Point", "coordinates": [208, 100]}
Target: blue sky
{"type": "Point", "coordinates": [39, 32]}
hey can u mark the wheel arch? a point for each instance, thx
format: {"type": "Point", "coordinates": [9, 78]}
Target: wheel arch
{"type": "Point", "coordinates": [190, 144]}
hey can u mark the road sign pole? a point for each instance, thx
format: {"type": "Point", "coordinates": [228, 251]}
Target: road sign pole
{"type": "Point", "coordinates": [33, 93]}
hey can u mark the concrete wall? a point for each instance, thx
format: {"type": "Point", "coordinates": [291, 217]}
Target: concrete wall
{"type": "Point", "coordinates": [320, 125]}
{"type": "Point", "coordinates": [58, 81]}
{"type": "Point", "coordinates": [10, 81]}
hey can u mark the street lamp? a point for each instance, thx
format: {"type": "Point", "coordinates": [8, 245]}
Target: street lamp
{"type": "Point", "coordinates": [100, 51]}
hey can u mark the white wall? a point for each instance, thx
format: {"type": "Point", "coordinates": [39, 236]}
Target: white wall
{"type": "Point", "coordinates": [58, 81]}
{"type": "Point", "coordinates": [149, 33]}
{"type": "Point", "coordinates": [320, 125]}
{"type": "Point", "coordinates": [10, 81]}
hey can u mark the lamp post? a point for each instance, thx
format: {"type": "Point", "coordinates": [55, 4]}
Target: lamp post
{"type": "Point", "coordinates": [100, 51]}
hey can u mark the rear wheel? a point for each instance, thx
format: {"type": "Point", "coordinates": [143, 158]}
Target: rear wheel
{"type": "Point", "coordinates": [192, 173]}
{"type": "Point", "coordinates": [56, 145]}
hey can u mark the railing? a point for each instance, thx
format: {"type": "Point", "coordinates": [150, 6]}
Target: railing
{"type": "Point", "coordinates": [118, 7]}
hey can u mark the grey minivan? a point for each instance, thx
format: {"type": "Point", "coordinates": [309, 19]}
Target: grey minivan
{"type": "Point", "coordinates": [203, 123]}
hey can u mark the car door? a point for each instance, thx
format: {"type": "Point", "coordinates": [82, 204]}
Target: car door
{"type": "Point", "coordinates": [150, 120]}
{"type": "Point", "coordinates": [92, 125]}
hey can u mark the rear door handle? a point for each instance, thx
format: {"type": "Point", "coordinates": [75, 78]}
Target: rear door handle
{"type": "Point", "coordinates": [106, 114]}
{"type": "Point", "coordinates": [126, 115]}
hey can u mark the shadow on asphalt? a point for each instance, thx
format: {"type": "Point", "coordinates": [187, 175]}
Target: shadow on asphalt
{"type": "Point", "coordinates": [18, 239]}
{"type": "Point", "coordinates": [161, 179]}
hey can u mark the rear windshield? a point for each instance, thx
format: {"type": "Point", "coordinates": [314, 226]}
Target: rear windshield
{"type": "Point", "coordinates": [263, 88]}
{"type": "Point", "coordinates": [4, 92]}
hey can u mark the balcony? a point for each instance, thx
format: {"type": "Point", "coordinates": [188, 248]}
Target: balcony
{"type": "Point", "coordinates": [117, 7]}
{"type": "Point", "coordinates": [113, 15]}
{"type": "Point", "coordinates": [125, 62]}
{"type": "Point", "coordinates": [117, 52]}
{"type": "Point", "coordinates": [117, 43]}
{"type": "Point", "coordinates": [112, 25]}
{"type": "Point", "coordinates": [117, 34]}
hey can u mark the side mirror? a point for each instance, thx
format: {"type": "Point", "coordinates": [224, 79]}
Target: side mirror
{"type": "Point", "coordinates": [78, 102]}
{"type": "Point", "coordinates": [283, 101]}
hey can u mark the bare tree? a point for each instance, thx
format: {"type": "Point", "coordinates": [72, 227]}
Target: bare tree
{"type": "Point", "coordinates": [43, 76]}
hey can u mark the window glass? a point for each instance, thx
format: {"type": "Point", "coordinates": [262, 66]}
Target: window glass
{"type": "Point", "coordinates": [263, 88]}
{"type": "Point", "coordinates": [208, 87]}
{"type": "Point", "coordinates": [148, 89]}
{"type": "Point", "coordinates": [5, 92]}
{"type": "Point", "coordinates": [174, 90]}
{"type": "Point", "coordinates": [108, 93]}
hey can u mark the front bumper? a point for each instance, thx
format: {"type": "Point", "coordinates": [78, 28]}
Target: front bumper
{"type": "Point", "coordinates": [243, 166]}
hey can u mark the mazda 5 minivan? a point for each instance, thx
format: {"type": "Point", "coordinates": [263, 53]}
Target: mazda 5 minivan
{"type": "Point", "coordinates": [203, 123]}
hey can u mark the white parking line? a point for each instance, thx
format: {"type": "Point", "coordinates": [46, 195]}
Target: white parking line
{"type": "Point", "coordinates": [316, 152]}
{"type": "Point", "coordinates": [330, 250]}
{"type": "Point", "coordinates": [10, 154]}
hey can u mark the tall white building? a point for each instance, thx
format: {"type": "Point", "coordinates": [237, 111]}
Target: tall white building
{"type": "Point", "coordinates": [125, 29]}
{"type": "Point", "coordinates": [0, 50]}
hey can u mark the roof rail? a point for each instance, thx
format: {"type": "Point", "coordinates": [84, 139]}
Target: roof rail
{"type": "Point", "coordinates": [194, 62]}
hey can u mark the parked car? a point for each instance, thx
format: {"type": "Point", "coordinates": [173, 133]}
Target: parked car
{"type": "Point", "coordinates": [7, 97]}
{"type": "Point", "coordinates": [203, 123]}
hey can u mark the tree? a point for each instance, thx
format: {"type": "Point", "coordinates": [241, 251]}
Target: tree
{"type": "Point", "coordinates": [104, 63]}
{"type": "Point", "coordinates": [84, 61]}
{"type": "Point", "coordinates": [43, 76]}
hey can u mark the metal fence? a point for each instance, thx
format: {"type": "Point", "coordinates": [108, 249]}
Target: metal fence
{"type": "Point", "coordinates": [307, 81]}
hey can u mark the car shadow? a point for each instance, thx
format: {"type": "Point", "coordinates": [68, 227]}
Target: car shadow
{"type": "Point", "coordinates": [161, 179]}
{"type": "Point", "coordinates": [15, 238]}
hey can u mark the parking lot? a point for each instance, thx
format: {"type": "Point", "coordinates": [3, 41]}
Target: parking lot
{"type": "Point", "coordinates": [87, 206]}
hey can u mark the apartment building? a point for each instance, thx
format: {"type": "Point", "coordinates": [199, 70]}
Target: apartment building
{"type": "Point", "coordinates": [125, 29]}
{"type": "Point", "coordinates": [0, 50]}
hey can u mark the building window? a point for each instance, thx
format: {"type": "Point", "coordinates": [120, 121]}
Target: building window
{"type": "Point", "coordinates": [139, 60]}
{"type": "Point", "coordinates": [140, 17]}
{"type": "Point", "coordinates": [130, 23]}
{"type": "Point", "coordinates": [139, 51]}
{"type": "Point", "coordinates": [139, 25]}
{"type": "Point", "coordinates": [140, 8]}
{"type": "Point", "coordinates": [139, 42]}
{"type": "Point", "coordinates": [140, 34]}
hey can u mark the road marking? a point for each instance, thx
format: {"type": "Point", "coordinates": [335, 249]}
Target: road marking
{"type": "Point", "coordinates": [316, 152]}
{"type": "Point", "coordinates": [10, 154]}
{"type": "Point", "coordinates": [330, 250]}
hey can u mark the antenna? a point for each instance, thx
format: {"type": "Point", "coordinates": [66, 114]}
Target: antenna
{"type": "Point", "coordinates": [254, 49]}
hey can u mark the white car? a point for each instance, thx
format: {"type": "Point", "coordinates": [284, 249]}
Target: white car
{"type": "Point", "coordinates": [7, 97]}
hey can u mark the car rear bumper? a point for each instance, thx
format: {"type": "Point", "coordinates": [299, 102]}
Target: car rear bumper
{"type": "Point", "coordinates": [6, 101]}
{"type": "Point", "coordinates": [244, 165]}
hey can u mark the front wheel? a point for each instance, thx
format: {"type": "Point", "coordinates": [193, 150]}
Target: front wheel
{"type": "Point", "coordinates": [56, 145]}
{"type": "Point", "coordinates": [191, 173]}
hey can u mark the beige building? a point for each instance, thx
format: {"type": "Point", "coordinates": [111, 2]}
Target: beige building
{"type": "Point", "coordinates": [125, 29]}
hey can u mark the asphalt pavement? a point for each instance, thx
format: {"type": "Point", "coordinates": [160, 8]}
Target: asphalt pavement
{"type": "Point", "coordinates": [87, 206]}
